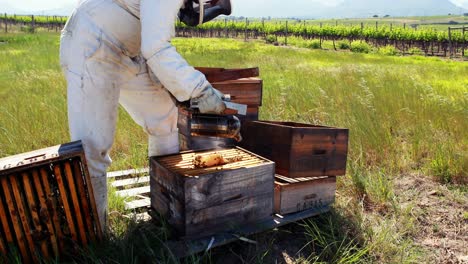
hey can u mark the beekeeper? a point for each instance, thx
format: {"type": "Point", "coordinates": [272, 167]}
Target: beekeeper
{"type": "Point", "coordinates": [119, 51]}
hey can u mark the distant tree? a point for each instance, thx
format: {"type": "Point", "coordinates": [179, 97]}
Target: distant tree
{"type": "Point", "coordinates": [375, 16]}
{"type": "Point", "coordinates": [387, 16]}
{"type": "Point", "coordinates": [465, 14]}
{"type": "Point", "coordinates": [449, 14]}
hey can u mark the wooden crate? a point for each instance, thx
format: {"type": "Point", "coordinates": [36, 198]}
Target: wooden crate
{"type": "Point", "coordinates": [299, 150]}
{"type": "Point", "coordinates": [296, 195]}
{"type": "Point", "coordinates": [47, 206]}
{"type": "Point", "coordinates": [214, 75]}
{"type": "Point", "coordinates": [242, 84]}
{"type": "Point", "coordinates": [198, 202]}
{"type": "Point", "coordinates": [248, 91]}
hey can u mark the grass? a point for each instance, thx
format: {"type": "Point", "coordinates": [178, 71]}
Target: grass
{"type": "Point", "coordinates": [405, 115]}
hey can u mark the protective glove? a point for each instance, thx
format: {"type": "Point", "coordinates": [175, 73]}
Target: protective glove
{"type": "Point", "coordinates": [210, 101]}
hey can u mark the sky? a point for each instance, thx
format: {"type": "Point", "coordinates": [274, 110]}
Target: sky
{"type": "Point", "coordinates": [39, 5]}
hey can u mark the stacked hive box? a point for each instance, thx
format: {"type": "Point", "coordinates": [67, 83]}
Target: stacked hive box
{"type": "Point", "coordinates": [308, 158]}
{"type": "Point", "coordinates": [243, 86]}
{"type": "Point", "coordinates": [204, 201]}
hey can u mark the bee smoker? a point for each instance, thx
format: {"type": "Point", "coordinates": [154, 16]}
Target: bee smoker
{"type": "Point", "coordinates": [216, 126]}
{"type": "Point", "coordinates": [204, 131]}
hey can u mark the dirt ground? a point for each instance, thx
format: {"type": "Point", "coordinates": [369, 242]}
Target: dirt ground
{"type": "Point", "coordinates": [442, 217]}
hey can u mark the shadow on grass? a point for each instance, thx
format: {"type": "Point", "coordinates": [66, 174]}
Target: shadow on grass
{"type": "Point", "coordinates": [328, 238]}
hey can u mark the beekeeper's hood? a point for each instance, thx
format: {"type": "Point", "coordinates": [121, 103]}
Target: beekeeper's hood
{"type": "Point", "coordinates": [197, 12]}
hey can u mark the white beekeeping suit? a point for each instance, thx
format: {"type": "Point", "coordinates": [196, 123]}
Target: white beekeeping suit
{"type": "Point", "coordinates": [119, 51]}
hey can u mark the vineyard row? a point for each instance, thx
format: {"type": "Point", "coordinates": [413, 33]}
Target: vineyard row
{"type": "Point", "coordinates": [430, 41]}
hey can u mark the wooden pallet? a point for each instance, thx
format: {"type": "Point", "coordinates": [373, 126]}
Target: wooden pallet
{"type": "Point", "coordinates": [134, 186]}
{"type": "Point", "coordinates": [186, 246]}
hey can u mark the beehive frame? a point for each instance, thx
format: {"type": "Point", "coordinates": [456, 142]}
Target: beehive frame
{"type": "Point", "coordinates": [47, 204]}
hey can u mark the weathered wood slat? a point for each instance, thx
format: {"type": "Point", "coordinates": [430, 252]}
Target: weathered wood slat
{"type": "Point", "coordinates": [17, 227]}
{"type": "Point", "coordinates": [303, 195]}
{"type": "Point", "coordinates": [21, 206]}
{"type": "Point", "coordinates": [3, 248]}
{"type": "Point", "coordinates": [134, 191]}
{"type": "Point", "coordinates": [84, 201]}
{"type": "Point", "coordinates": [228, 215]}
{"type": "Point", "coordinates": [141, 203]}
{"type": "Point", "coordinates": [130, 181]}
{"type": "Point", "coordinates": [30, 159]}
{"type": "Point", "coordinates": [185, 248]}
{"type": "Point", "coordinates": [207, 200]}
{"type": "Point", "coordinates": [76, 204]}
{"type": "Point", "coordinates": [31, 201]}
{"type": "Point", "coordinates": [124, 173]}
{"type": "Point", "coordinates": [54, 204]}
{"type": "Point", "coordinates": [299, 150]}
{"type": "Point", "coordinates": [66, 203]}
{"type": "Point", "coordinates": [231, 74]}
{"type": "Point", "coordinates": [44, 211]}
{"type": "Point", "coordinates": [248, 91]}
{"type": "Point", "coordinates": [234, 185]}
{"type": "Point", "coordinates": [169, 205]}
{"type": "Point", "coordinates": [4, 221]}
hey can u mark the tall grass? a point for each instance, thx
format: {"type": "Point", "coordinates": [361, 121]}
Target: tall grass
{"type": "Point", "coordinates": [405, 115]}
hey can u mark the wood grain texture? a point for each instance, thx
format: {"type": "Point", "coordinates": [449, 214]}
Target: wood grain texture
{"type": "Point", "coordinates": [187, 247]}
{"type": "Point", "coordinates": [202, 201]}
{"type": "Point", "coordinates": [8, 231]}
{"type": "Point", "coordinates": [85, 201]}
{"type": "Point", "coordinates": [44, 212]}
{"type": "Point", "coordinates": [217, 188]}
{"type": "Point", "coordinates": [303, 195]}
{"type": "Point", "coordinates": [31, 159]}
{"type": "Point", "coordinates": [21, 211]}
{"type": "Point", "coordinates": [3, 249]}
{"type": "Point", "coordinates": [20, 238]}
{"type": "Point", "coordinates": [46, 204]}
{"type": "Point", "coordinates": [299, 150]}
{"type": "Point", "coordinates": [78, 217]}
{"type": "Point", "coordinates": [65, 202]}
{"type": "Point", "coordinates": [52, 207]}
{"type": "Point", "coordinates": [168, 205]}
{"type": "Point", "coordinates": [222, 75]}
{"type": "Point", "coordinates": [248, 91]}
{"type": "Point", "coordinates": [34, 210]}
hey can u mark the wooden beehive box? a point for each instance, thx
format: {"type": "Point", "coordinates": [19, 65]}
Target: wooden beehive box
{"type": "Point", "coordinates": [201, 202]}
{"type": "Point", "coordinates": [46, 203]}
{"type": "Point", "coordinates": [299, 150]}
{"type": "Point", "coordinates": [248, 91]}
{"type": "Point", "coordinates": [243, 85]}
{"type": "Point", "coordinates": [300, 194]}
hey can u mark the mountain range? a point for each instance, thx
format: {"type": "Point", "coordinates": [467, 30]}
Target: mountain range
{"type": "Point", "coordinates": [367, 8]}
{"type": "Point", "coordinates": [348, 8]}
{"type": "Point", "coordinates": [310, 8]}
